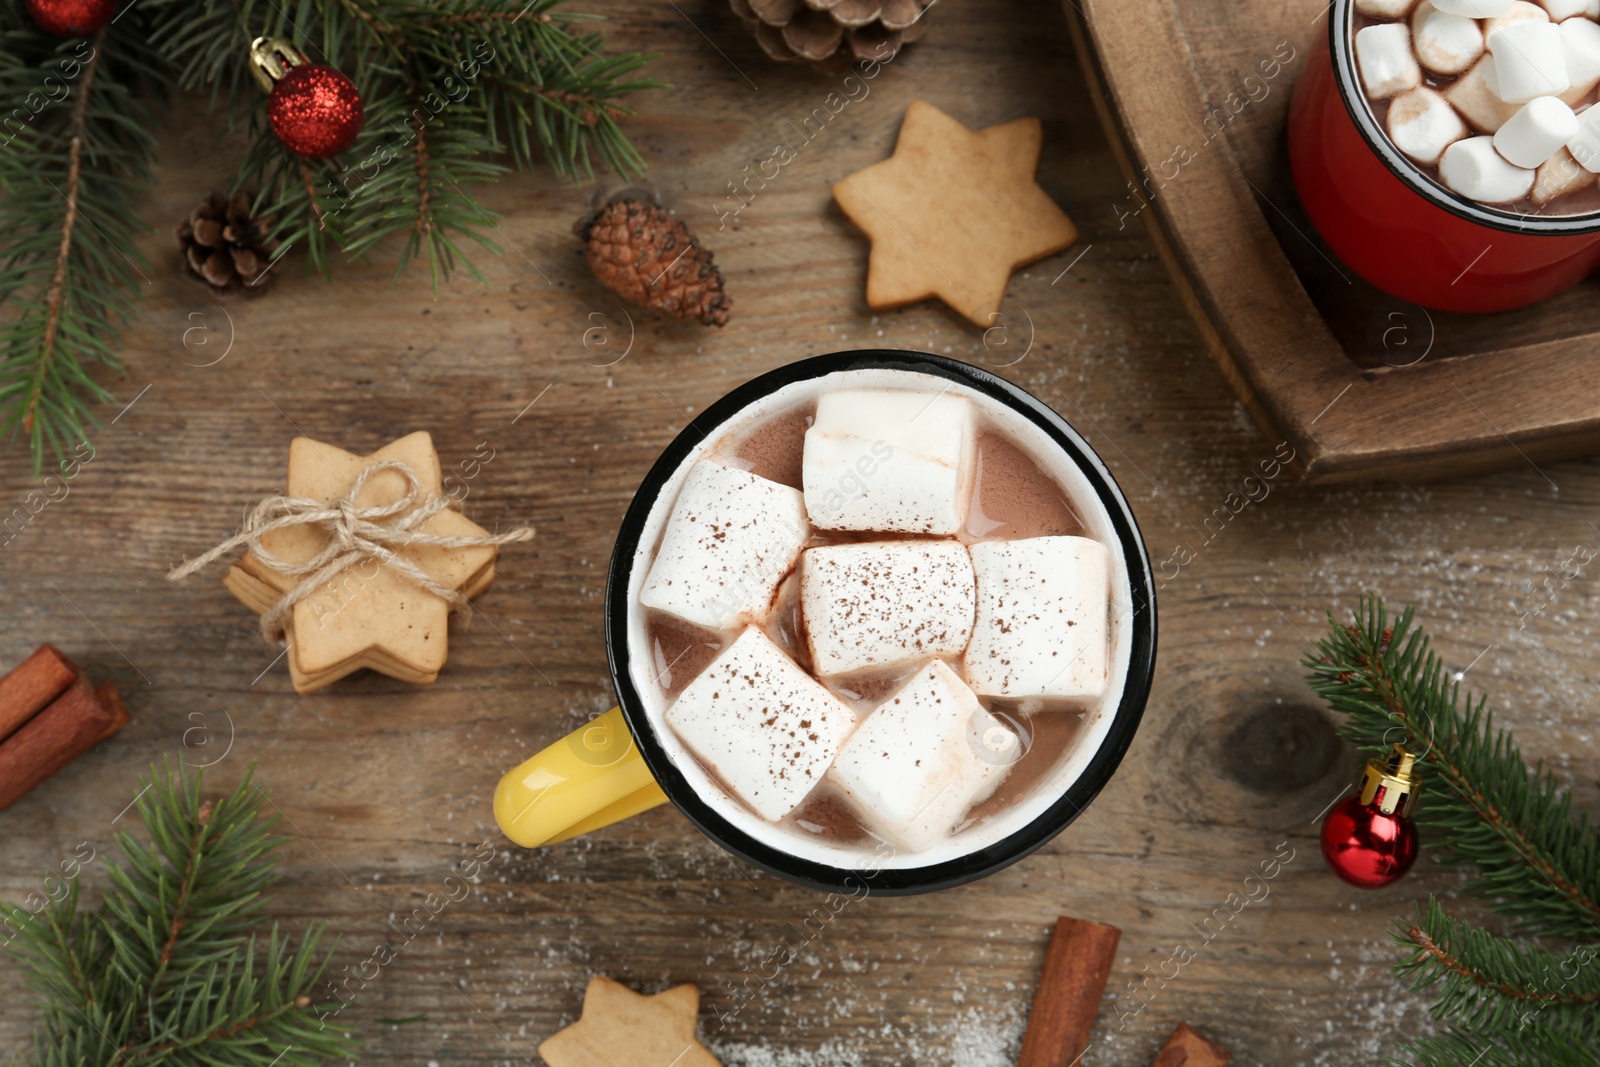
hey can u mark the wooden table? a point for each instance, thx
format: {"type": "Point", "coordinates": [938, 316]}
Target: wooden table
{"type": "Point", "coordinates": [385, 786]}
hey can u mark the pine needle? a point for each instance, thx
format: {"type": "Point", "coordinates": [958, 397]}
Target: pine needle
{"type": "Point", "coordinates": [169, 967]}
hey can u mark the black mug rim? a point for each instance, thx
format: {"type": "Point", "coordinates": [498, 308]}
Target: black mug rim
{"type": "Point", "coordinates": [903, 880]}
{"type": "Point", "coordinates": [1342, 43]}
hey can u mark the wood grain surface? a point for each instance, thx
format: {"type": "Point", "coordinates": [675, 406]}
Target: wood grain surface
{"type": "Point", "coordinates": [383, 786]}
{"type": "Point", "coordinates": [1197, 96]}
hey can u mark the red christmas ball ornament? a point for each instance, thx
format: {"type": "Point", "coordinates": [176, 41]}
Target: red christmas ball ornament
{"type": "Point", "coordinates": [71, 18]}
{"type": "Point", "coordinates": [1369, 839]}
{"type": "Point", "coordinates": [315, 111]}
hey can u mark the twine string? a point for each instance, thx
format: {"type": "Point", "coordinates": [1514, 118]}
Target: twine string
{"type": "Point", "coordinates": [354, 534]}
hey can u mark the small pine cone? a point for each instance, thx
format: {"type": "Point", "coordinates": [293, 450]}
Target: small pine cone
{"type": "Point", "coordinates": [833, 34]}
{"type": "Point", "coordinates": [224, 247]}
{"type": "Point", "coordinates": [643, 254]}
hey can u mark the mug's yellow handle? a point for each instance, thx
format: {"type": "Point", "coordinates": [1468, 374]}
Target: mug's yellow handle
{"type": "Point", "coordinates": [591, 778]}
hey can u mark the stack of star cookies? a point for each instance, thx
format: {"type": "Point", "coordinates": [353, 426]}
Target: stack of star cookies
{"type": "Point", "coordinates": [369, 615]}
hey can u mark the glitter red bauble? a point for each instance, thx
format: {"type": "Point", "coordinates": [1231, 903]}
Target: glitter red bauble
{"type": "Point", "coordinates": [71, 18]}
{"type": "Point", "coordinates": [1365, 847]}
{"type": "Point", "coordinates": [315, 111]}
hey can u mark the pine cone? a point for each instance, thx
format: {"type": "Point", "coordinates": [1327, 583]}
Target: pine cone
{"type": "Point", "coordinates": [224, 247]}
{"type": "Point", "coordinates": [643, 254]}
{"type": "Point", "coordinates": [833, 34]}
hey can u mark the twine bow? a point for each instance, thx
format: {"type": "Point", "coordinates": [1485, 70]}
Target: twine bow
{"type": "Point", "coordinates": [354, 534]}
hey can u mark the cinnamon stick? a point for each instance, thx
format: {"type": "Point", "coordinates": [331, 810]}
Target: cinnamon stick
{"type": "Point", "coordinates": [55, 737]}
{"type": "Point", "coordinates": [32, 685]}
{"type": "Point", "coordinates": [109, 697]}
{"type": "Point", "coordinates": [1187, 1047]}
{"type": "Point", "coordinates": [1070, 987]}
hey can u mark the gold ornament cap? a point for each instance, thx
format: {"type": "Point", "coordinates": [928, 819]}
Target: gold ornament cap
{"type": "Point", "coordinates": [1398, 780]}
{"type": "Point", "coordinates": [271, 58]}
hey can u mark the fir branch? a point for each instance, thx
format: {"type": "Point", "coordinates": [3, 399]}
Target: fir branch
{"type": "Point", "coordinates": [1506, 1003]}
{"type": "Point", "coordinates": [1433, 952]}
{"type": "Point", "coordinates": [380, 26]}
{"type": "Point", "coordinates": [306, 179]}
{"type": "Point", "coordinates": [1485, 807]}
{"type": "Point", "coordinates": [417, 172]}
{"type": "Point", "coordinates": [75, 154]}
{"type": "Point", "coordinates": [473, 83]}
{"type": "Point", "coordinates": [1530, 1048]}
{"type": "Point", "coordinates": [167, 968]}
{"type": "Point", "coordinates": [450, 89]}
{"type": "Point", "coordinates": [481, 17]}
{"type": "Point", "coordinates": [295, 197]}
{"type": "Point", "coordinates": [56, 293]}
{"type": "Point", "coordinates": [1491, 985]}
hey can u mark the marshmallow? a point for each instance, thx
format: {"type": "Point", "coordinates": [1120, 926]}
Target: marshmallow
{"type": "Point", "coordinates": [764, 727]}
{"type": "Point", "coordinates": [924, 439]}
{"type": "Point", "coordinates": [1536, 132]}
{"type": "Point", "coordinates": [1041, 625]}
{"type": "Point", "coordinates": [1473, 94]}
{"type": "Point", "coordinates": [731, 538]}
{"type": "Point", "coordinates": [1560, 175]}
{"type": "Point", "coordinates": [922, 759]}
{"type": "Point", "coordinates": [1384, 9]}
{"type": "Point", "coordinates": [1475, 170]}
{"type": "Point", "coordinates": [884, 603]}
{"type": "Point", "coordinates": [1528, 61]}
{"type": "Point", "coordinates": [1521, 11]}
{"type": "Point", "coordinates": [1445, 43]}
{"type": "Point", "coordinates": [1384, 57]}
{"type": "Point", "coordinates": [1561, 10]}
{"type": "Point", "coordinates": [1585, 144]}
{"type": "Point", "coordinates": [1580, 47]}
{"type": "Point", "coordinates": [1422, 124]}
{"type": "Point", "coordinates": [1474, 9]}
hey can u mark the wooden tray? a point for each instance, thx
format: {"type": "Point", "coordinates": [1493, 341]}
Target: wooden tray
{"type": "Point", "coordinates": [1320, 358]}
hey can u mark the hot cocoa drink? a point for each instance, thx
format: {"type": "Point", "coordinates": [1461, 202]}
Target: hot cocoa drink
{"type": "Point", "coordinates": [875, 614]}
{"type": "Point", "coordinates": [1492, 99]}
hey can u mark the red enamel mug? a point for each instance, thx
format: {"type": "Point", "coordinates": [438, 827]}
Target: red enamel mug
{"type": "Point", "coordinates": [1399, 228]}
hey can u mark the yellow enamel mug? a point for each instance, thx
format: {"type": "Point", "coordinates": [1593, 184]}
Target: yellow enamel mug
{"type": "Point", "coordinates": [591, 778]}
{"type": "Point", "coordinates": [625, 761]}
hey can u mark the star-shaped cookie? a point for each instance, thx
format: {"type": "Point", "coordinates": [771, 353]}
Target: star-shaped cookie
{"type": "Point", "coordinates": [368, 615]}
{"type": "Point", "coordinates": [953, 212]}
{"type": "Point", "coordinates": [621, 1028]}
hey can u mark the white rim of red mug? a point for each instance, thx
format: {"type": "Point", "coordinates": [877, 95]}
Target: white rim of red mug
{"type": "Point", "coordinates": [1348, 81]}
{"type": "Point", "coordinates": [983, 861]}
